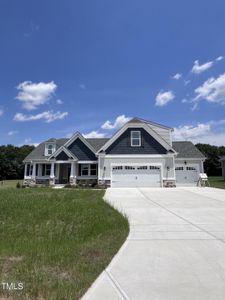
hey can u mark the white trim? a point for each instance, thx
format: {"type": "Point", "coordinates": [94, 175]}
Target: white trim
{"type": "Point", "coordinates": [140, 156]}
{"type": "Point", "coordinates": [61, 149]}
{"type": "Point", "coordinates": [154, 134]}
{"type": "Point", "coordinates": [76, 136]}
{"type": "Point", "coordinates": [87, 162]}
{"type": "Point", "coordinates": [180, 158]}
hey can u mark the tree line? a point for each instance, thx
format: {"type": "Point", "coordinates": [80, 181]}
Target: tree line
{"type": "Point", "coordinates": [12, 167]}
{"type": "Point", "coordinates": [11, 161]}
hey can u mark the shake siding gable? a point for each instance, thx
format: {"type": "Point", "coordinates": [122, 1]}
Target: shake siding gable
{"type": "Point", "coordinates": [148, 144]}
{"type": "Point", "coordinates": [81, 151]}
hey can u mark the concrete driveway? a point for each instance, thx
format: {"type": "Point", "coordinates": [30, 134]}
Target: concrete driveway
{"type": "Point", "coordinates": [175, 249]}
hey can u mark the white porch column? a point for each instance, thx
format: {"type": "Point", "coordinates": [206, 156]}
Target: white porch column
{"type": "Point", "coordinates": [52, 174]}
{"type": "Point", "coordinates": [73, 173]}
{"type": "Point", "coordinates": [25, 170]}
{"type": "Point", "coordinates": [34, 171]}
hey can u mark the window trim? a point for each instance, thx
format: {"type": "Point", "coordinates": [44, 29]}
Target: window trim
{"type": "Point", "coordinates": [139, 138]}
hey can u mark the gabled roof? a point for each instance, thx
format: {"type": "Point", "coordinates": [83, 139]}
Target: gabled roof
{"type": "Point", "coordinates": [139, 120]}
{"type": "Point", "coordinates": [140, 124]}
{"type": "Point", "coordinates": [60, 150]}
{"type": "Point", "coordinates": [97, 143]}
{"type": "Point", "coordinates": [187, 149]}
{"type": "Point", "coordinates": [77, 135]}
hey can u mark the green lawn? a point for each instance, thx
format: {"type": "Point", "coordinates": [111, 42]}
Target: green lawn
{"type": "Point", "coordinates": [56, 242]}
{"type": "Point", "coordinates": [10, 183]}
{"type": "Point", "coordinates": [217, 182]}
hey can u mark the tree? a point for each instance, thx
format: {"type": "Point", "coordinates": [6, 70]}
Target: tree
{"type": "Point", "coordinates": [11, 161]}
{"type": "Point", "coordinates": [212, 164]}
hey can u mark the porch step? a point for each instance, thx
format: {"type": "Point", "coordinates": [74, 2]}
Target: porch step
{"type": "Point", "coordinates": [58, 186]}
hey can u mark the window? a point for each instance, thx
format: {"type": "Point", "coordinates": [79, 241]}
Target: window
{"type": "Point", "coordinates": [50, 149]}
{"type": "Point", "coordinates": [142, 168]}
{"type": "Point", "coordinates": [135, 138]}
{"type": "Point", "coordinates": [46, 170]}
{"type": "Point", "coordinates": [36, 169]}
{"type": "Point", "coordinates": [117, 168]}
{"type": "Point", "coordinates": [190, 169]}
{"type": "Point", "coordinates": [179, 168]}
{"type": "Point", "coordinates": [93, 170]}
{"type": "Point", "coordinates": [154, 168]}
{"type": "Point", "coordinates": [129, 168]}
{"type": "Point", "coordinates": [84, 170]}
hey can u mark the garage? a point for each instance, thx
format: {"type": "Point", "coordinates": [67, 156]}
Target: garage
{"type": "Point", "coordinates": [187, 173]}
{"type": "Point", "coordinates": [133, 175]}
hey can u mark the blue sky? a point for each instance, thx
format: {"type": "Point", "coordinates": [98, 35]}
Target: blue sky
{"type": "Point", "coordinates": [89, 66]}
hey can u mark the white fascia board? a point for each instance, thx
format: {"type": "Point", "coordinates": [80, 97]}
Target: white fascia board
{"type": "Point", "coordinates": [87, 162]}
{"type": "Point", "coordinates": [140, 156]}
{"type": "Point", "coordinates": [157, 137]}
{"type": "Point", "coordinates": [192, 158]}
{"type": "Point", "coordinates": [80, 136]}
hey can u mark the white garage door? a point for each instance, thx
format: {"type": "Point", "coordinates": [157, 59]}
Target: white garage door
{"type": "Point", "coordinates": [187, 173]}
{"type": "Point", "coordinates": [131, 175]}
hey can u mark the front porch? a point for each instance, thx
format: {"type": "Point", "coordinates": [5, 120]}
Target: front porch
{"type": "Point", "coordinates": [60, 172]}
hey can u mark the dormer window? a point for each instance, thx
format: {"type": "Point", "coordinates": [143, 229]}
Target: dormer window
{"type": "Point", "coordinates": [135, 138]}
{"type": "Point", "coordinates": [49, 149]}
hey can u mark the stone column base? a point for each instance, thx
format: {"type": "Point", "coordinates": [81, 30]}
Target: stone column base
{"type": "Point", "coordinates": [73, 181]}
{"type": "Point", "coordinates": [52, 181]}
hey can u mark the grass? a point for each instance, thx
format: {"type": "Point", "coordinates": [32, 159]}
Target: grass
{"type": "Point", "coordinates": [56, 242]}
{"type": "Point", "coordinates": [10, 183]}
{"type": "Point", "coordinates": [217, 182]}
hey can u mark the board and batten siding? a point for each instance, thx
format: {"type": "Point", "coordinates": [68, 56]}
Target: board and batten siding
{"type": "Point", "coordinates": [105, 165]}
{"type": "Point", "coordinates": [163, 132]}
{"type": "Point", "coordinates": [81, 151]}
{"type": "Point", "coordinates": [122, 145]}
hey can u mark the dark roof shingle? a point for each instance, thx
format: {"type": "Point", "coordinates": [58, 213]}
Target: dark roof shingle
{"type": "Point", "coordinates": [187, 149]}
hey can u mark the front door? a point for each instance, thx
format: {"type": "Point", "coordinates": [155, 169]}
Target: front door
{"type": "Point", "coordinates": [64, 173]}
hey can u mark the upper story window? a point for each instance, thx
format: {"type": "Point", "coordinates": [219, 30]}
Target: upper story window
{"type": "Point", "coordinates": [49, 149]}
{"type": "Point", "coordinates": [135, 138]}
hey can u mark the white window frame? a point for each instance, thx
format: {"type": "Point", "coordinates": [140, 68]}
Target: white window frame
{"type": "Point", "coordinates": [139, 138]}
{"type": "Point", "coordinates": [86, 167]}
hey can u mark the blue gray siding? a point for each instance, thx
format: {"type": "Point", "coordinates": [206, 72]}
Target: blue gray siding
{"type": "Point", "coordinates": [81, 151]}
{"type": "Point", "coordinates": [62, 156]}
{"type": "Point", "coordinates": [148, 144]}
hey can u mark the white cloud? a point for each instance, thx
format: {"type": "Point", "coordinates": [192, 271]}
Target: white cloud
{"type": "Point", "coordinates": [219, 58]}
{"type": "Point", "coordinates": [177, 76]}
{"type": "Point", "coordinates": [198, 69]}
{"type": "Point", "coordinates": [29, 142]}
{"type": "Point", "coordinates": [212, 132]}
{"type": "Point", "coordinates": [12, 132]}
{"type": "Point", "coordinates": [118, 123]}
{"type": "Point", "coordinates": [34, 94]}
{"type": "Point", "coordinates": [59, 101]}
{"type": "Point", "coordinates": [1, 112]}
{"type": "Point", "coordinates": [163, 98]}
{"type": "Point", "coordinates": [94, 134]}
{"type": "Point", "coordinates": [189, 132]}
{"type": "Point", "coordinates": [48, 116]}
{"type": "Point", "coordinates": [212, 90]}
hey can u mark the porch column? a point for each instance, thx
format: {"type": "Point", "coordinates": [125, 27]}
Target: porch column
{"type": "Point", "coordinates": [33, 170]}
{"type": "Point", "coordinates": [33, 175]}
{"type": "Point", "coordinates": [73, 173]}
{"type": "Point", "coordinates": [52, 175]}
{"type": "Point", "coordinates": [25, 170]}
